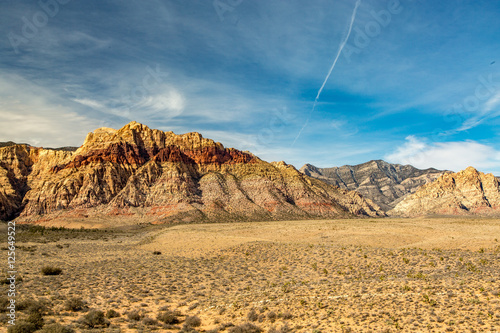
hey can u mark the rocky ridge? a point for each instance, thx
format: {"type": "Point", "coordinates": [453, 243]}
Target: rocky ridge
{"type": "Point", "coordinates": [157, 176]}
{"type": "Point", "coordinates": [384, 183]}
{"type": "Point", "coordinates": [468, 192]}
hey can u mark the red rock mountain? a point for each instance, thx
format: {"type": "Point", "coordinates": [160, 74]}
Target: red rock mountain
{"type": "Point", "coordinates": [155, 176]}
{"type": "Point", "coordinates": [468, 192]}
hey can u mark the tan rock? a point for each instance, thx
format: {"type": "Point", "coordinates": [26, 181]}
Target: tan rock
{"type": "Point", "coordinates": [166, 177]}
{"type": "Point", "coordinates": [468, 192]}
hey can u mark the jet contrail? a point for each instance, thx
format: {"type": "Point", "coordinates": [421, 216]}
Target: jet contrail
{"type": "Point", "coordinates": [341, 47]}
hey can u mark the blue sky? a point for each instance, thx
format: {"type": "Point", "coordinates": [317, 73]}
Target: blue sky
{"type": "Point", "coordinates": [417, 82]}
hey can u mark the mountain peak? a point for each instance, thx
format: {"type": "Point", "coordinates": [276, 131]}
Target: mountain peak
{"type": "Point", "coordinates": [154, 175]}
{"type": "Point", "coordinates": [466, 192]}
{"type": "Point", "coordinates": [382, 182]}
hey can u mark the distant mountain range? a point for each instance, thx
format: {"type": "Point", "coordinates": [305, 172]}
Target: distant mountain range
{"type": "Point", "coordinates": [384, 183]}
{"type": "Point", "coordinates": [142, 175]}
{"type": "Point", "coordinates": [147, 175]}
{"type": "Point", "coordinates": [468, 192]}
{"type": "Point", "coordinates": [10, 143]}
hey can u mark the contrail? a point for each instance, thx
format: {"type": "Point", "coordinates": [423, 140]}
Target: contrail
{"type": "Point", "coordinates": [341, 47]}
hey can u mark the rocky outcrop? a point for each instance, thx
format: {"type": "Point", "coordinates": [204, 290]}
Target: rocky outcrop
{"type": "Point", "coordinates": [468, 192]}
{"type": "Point", "coordinates": [163, 177]}
{"type": "Point", "coordinates": [20, 167]}
{"type": "Point", "coordinates": [384, 183]}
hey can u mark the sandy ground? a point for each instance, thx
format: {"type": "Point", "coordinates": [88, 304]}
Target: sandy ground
{"type": "Point", "coordinates": [363, 275]}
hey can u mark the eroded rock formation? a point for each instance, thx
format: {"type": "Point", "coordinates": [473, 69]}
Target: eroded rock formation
{"type": "Point", "coordinates": [163, 177]}
{"type": "Point", "coordinates": [468, 192]}
{"type": "Point", "coordinates": [384, 183]}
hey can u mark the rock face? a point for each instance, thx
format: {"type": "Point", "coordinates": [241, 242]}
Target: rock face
{"type": "Point", "coordinates": [384, 183]}
{"type": "Point", "coordinates": [162, 177]}
{"type": "Point", "coordinates": [20, 165]}
{"type": "Point", "coordinates": [463, 193]}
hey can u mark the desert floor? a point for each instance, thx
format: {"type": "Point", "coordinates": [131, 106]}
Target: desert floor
{"type": "Point", "coordinates": [361, 275]}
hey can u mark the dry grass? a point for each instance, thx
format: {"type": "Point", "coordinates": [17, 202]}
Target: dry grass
{"type": "Point", "coordinates": [387, 275]}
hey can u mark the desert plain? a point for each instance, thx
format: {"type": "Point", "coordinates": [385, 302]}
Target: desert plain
{"type": "Point", "coordinates": [349, 275]}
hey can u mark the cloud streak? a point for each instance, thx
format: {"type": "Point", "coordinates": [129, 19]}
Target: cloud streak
{"type": "Point", "coordinates": [341, 47]}
{"type": "Point", "coordinates": [454, 156]}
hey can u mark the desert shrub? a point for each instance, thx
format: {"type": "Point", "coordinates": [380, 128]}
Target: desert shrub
{"type": "Point", "coordinates": [148, 321]}
{"type": "Point", "coordinates": [51, 270]}
{"type": "Point", "coordinates": [112, 314]}
{"type": "Point", "coordinates": [223, 326]}
{"type": "Point", "coordinates": [22, 327]}
{"type": "Point", "coordinates": [93, 319]}
{"type": "Point", "coordinates": [168, 317]}
{"type": "Point", "coordinates": [192, 321]}
{"type": "Point", "coordinates": [252, 315]}
{"type": "Point", "coordinates": [287, 315]}
{"type": "Point", "coordinates": [246, 328]}
{"type": "Point", "coordinates": [75, 304]}
{"type": "Point", "coordinates": [56, 328]}
{"type": "Point", "coordinates": [193, 306]}
{"type": "Point", "coordinates": [36, 319]}
{"type": "Point", "coordinates": [282, 329]}
{"type": "Point", "coordinates": [32, 306]}
{"type": "Point", "coordinates": [134, 315]}
{"type": "Point", "coordinates": [4, 302]}
{"type": "Point", "coordinates": [271, 316]}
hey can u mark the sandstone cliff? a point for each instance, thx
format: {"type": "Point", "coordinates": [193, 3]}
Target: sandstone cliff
{"type": "Point", "coordinates": [160, 176]}
{"type": "Point", "coordinates": [384, 183]}
{"type": "Point", "coordinates": [463, 193]}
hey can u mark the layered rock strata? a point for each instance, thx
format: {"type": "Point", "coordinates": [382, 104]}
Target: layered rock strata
{"type": "Point", "coordinates": [468, 192]}
{"type": "Point", "coordinates": [384, 183]}
{"type": "Point", "coordinates": [163, 177]}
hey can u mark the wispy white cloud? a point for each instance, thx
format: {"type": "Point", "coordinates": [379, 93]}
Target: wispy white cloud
{"type": "Point", "coordinates": [486, 111]}
{"type": "Point", "coordinates": [492, 103]}
{"type": "Point", "coordinates": [35, 115]}
{"type": "Point", "coordinates": [454, 156]}
{"type": "Point", "coordinates": [90, 103]}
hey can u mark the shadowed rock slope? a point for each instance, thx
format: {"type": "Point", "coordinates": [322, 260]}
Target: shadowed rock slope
{"type": "Point", "coordinates": [384, 183]}
{"type": "Point", "coordinates": [468, 192]}
{"type": "Point", "coordinates": [157, 176]}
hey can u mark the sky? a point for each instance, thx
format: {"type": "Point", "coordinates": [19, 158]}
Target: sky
{"type": "Point", "coordinates": [322, 82]}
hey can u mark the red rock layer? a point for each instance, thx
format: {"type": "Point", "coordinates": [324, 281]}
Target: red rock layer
{"type": "Point", "coordinates": [142, 172]}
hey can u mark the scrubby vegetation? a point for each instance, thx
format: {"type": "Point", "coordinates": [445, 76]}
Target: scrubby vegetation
{"type": "Point", "coordinates": [51, 270]}
{"type": "Point", "coordinates": [258, 286]}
